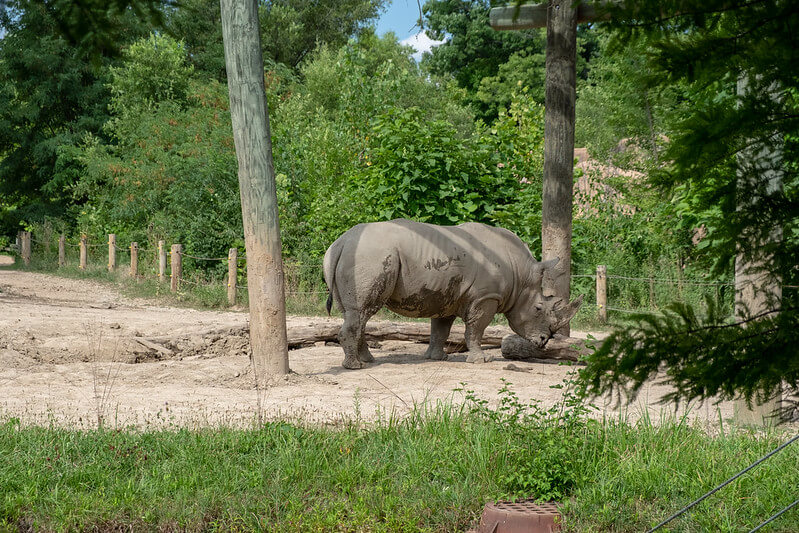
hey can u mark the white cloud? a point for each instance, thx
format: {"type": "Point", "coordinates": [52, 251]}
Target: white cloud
{"type": "Point", "coordinates": [421, 43]}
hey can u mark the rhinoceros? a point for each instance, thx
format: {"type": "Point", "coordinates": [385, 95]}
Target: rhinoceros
{"type": "Point", "coordinates": [471, 271]}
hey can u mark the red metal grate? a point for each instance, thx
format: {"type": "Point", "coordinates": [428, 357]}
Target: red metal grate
{"type": "Point", "coordinates": [520, 516]}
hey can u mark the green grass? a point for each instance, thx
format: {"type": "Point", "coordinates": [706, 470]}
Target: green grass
{"type": "Point", "coordinates": [431, 471]}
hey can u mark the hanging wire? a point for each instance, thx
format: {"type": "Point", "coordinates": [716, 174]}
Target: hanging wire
{"type": "Point", "coordinates": [672, 281]}
{"type": "Point", "coordinates": [733, 478]}
{"type": "Point", "coordinates": [774, 517]}
{"type": "Point", "coordinates": [184, 254]}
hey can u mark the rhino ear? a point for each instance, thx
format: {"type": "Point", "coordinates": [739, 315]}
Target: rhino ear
{"type": "Point", "coordinates": [541, 266]}
{"type": "Point", "coordinates": [550, 263]}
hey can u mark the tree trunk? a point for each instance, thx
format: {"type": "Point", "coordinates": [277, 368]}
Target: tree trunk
{"type": "Point", "coordinates": [250, 118]}
{"type": "Point", "coordinates": [556, 217]}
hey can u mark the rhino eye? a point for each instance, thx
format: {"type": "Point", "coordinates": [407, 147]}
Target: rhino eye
{"type": "Point", "coordinates": [539, 307]}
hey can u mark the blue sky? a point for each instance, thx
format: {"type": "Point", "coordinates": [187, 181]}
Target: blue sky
{"type": "Point", "coordinates": [400, 17]}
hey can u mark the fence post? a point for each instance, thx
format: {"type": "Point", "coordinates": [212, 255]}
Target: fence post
{"type": "Point", "coordinates": [112, 252]}
{"type": "Point", "coordinates": [652, 293]}
{"type": "Point", "coordinates": [161, 261]}
{"type": "Point", "coordinates": [177, 265]}
{"type": "Point", "coordinates": [232, 271]}
{"type": "Point", "coordinates": [26, 247]}
{"type": "Point", "coordinates": [134, 260]}
{"type": "Point", "coordinates": [602, 292]}
{"type": "Point", "coordinates": [83, 252]}
{"type": "Point", "coordinates": [62, 251]}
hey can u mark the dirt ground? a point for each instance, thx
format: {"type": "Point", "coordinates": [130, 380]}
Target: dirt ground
{"type": "Point", "coordinates": [69, 355]}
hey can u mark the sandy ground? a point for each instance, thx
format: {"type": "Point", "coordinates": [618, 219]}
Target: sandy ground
{"type": "Point", "coordinates": [69, 356]}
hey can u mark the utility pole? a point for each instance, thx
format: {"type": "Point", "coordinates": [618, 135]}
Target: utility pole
{"type": "Point", "coordinates": [560, 20]}
{"type": "Point", "coordinates": [250, 118]}
{"type": "Point", "coordinates": [757, 290]}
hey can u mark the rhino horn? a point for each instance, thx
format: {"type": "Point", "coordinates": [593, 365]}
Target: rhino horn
{"type": "Point", "coordinates": [564, 313]}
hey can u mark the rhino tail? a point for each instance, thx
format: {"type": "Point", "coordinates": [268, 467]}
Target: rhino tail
{"type": "Point", "coordinates": [329, 267]}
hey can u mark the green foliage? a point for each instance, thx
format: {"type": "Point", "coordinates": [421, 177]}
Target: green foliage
{"type": "Point", "coordinates": [154, 71]}
{"type": "Point", "coordinates": [420, 169]}
{"type": "Point", "coordinates": [695, 353]}
{"type": "Point", "coordinates": [50, 96]}
{"type": "Point", "coordinates": [198, 24]}
{"type": "Point", "coordinates": [725, 150]}
{"type": "Point", "coordinates": [293, 29]}
{"type": "Point", "coordinates": [544, 442]}
{"type": "Point", "coordinates": [322, 131]}
{"type": "Point", "coordinates": [484, 62]}
{"type": "Point", "coordinates": [170, 172]}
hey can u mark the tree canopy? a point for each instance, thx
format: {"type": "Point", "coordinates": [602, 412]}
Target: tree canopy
{"type": "Point", "coordinates": [721, 152]}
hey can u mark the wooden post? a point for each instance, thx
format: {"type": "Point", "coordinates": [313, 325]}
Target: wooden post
{"type": "Point", "coordinates": [26, 248]}
{"type": "Point", "coordinates": [651, 293]}
{"type": "Point", "coordinates": [134, 260]}
{"type": "Point", "coordinates": [84, 252]}
{"type": "Point", "coordinates": [161, 261]}
{"type": "Point", "coordinates": [556, 216]}
{"type": "Point", "coordinates": [250, 119]}
{"type": "Point", "coordinates": [232, 272]}
{"type": "Point", "coordinates": [62, 251]}
{"type": "Point", "coordinates": [602, 292]}
{"type": "Point", "coordinates": [757, 290]}
{"type": "Point", "coordinates": [560, 19]}
{"type": "Point", "coordinates": [176, 258]}
{"type": "Point", "coordinates": [112, 252]}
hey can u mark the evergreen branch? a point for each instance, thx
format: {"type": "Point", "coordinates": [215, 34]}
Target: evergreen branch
{"type": "Point", "coordinates": [663, 19]}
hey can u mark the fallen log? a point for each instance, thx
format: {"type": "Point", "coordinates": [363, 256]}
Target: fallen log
{"type": "Point", "coordinates": [304, 336]}
{"type": "Point", "coordinates": [513, 346]}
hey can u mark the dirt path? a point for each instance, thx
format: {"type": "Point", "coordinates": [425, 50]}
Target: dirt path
{"type": "Point", "coordinates": [68, 355]}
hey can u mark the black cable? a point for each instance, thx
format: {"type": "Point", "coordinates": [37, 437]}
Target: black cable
{"type": "Point", "coordinates": [713, 491]}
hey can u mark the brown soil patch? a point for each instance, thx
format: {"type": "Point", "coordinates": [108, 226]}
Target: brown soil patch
{"type": "Point", "coordinates": [70, 354]}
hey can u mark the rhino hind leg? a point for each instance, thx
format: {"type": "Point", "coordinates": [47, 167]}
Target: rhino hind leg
{"type": "Point", "coordinates": [477, 320]}
{"type": "Point", "coordinates": [439, 333]}
{"type": "Point", "coordinates": [350, 337]}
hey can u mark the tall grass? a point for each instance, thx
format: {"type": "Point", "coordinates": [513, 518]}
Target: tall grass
{"type": "Point", "coordinates": [431, 471]}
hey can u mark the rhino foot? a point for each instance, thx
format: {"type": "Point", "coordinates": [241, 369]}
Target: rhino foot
{"type": "Point", "coordinates": [436, 355]}
{"type": "Point", "coordinates": [352, 364]}
{"type": "Point", "coordinates": [479, 358]}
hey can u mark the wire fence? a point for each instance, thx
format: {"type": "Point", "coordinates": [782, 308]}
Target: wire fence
{"type": "Point", "coordinates": [606, 296]}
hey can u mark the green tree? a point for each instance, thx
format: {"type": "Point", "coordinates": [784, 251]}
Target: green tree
{"type": "Point", "coordinates": [474, 52]}
{"type": "Point", "coordinates": [291, 29]}
{"type": "Point", "coordinates": [198, 24]}
{"type": "Point", "coordinates": [52, 92]}
{"type": "Point", "coordinates": [711, 165]}
{"type": "Point", "coordinates": [322, 130]}
{"type": "Point", "coordinates": [169, 170]}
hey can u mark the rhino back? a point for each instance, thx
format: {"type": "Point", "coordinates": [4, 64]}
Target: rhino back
{"type": "Point", "coordinates": [442, 269]}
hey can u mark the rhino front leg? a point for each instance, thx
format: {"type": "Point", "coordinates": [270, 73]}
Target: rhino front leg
{"type": "Point", "coordinates": [439, 333]}
{"type": "Point", "coordinates": [480, 315]}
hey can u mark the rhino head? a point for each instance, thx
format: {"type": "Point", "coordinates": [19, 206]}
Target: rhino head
{"type": "Point", "coordinates": [537, 317]}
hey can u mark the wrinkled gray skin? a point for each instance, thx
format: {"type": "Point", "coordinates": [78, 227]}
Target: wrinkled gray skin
{"type": "Point", "coordinates": [472, 271]}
